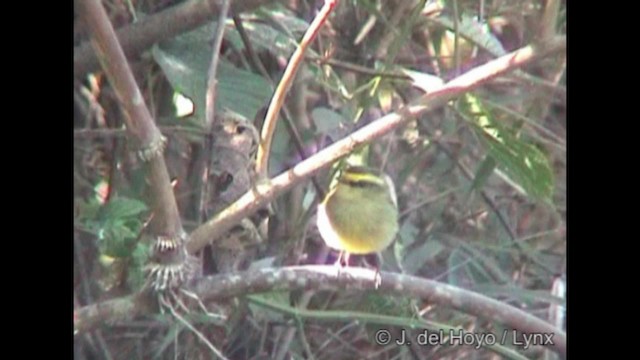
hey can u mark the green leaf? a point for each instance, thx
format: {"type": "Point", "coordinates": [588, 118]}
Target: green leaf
{"type": "Point", "coordinates": [288, 20]}
{"type": "Point", "coordinates": [87, 209]}
{"type": "Point", "coordinates": [117, 225]}
{"type": "Point", "coordinates": [463, 268]}
{"type": "Point", "coordinates": [485, 266]}
{"type": "Point", "coordinates": [275, 30]}
{"type": "Point", "coordinates": [185, 60]}
{"type": "Point", "coordinates": [419, 256]}
{"type": "Point", "coordinates": [422, 80]}
{"type": "Point", "coordinates": [406, 237]}
{"type": "Point", "coordinates": [408, 233]}
{"type": "Point", "coordinates": [174, 330]}
{"type": "Point", "coordinates": [471, 29]}
{"type": "Point", "coordinates": [326, 120]}
{"type": "Point", "coordinates": [455, 263]}
{"type": "Point", "coordinates": [385, 96]}
{"type": "Point", "coordinates": [116, 239]}
{"type": "Point", "coordinates": [136, 276]}
{"type": "Point", "coordinates": [483, 173]}
{"type": "Point", "coordinates": [280, 298]}
{"type": "Point", "coordinates": [122, 207]}
{"type": "Point", "coordinates": [383, 304]}
{"type": "Point", "coordinates": [531, 297]}
{"type": "Point", "coordinates": [522, 163]}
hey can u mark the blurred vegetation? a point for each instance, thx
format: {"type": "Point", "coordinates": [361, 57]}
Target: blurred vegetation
{"type": "Point", "coordinates": [481, 182]}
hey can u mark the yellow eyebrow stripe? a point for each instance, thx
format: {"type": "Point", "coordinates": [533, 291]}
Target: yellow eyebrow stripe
{"type": "Point", "coordinates": [353, 177]}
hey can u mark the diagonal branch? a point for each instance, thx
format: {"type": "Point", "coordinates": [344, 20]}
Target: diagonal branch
{"type": "Point", "coordinates": [140, 126]}
{"type": "Point", "coordinates": [266, 191]}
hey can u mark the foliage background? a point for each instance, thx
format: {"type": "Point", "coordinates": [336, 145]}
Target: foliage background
{"type": "Point", "coordinates": [481, 182]}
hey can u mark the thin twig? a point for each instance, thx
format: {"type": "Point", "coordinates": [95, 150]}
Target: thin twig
{"type": "Point", "coordinates": [502, 219]}
{"type": "Point", "coordinates": [549, 136]}
{"type": "Point", "coordinates": [432, 54]}
{"type": "Point", "coordinates": [269, 125]}
{"type": "Point", "coordinates": [266, 191]}
{"type": "Point", "coordinates": [428, 201]}
{"type": "Point", "coordinates": [213, 68]}
{"type": "Point", "coordinates": [356, 68]}
{"type": "Point", "coordinates": [553, 70]}
{"type": "Point", "coordinates": [91, 133]}
{"type": "Point", "coordinates": [86, 287]}
{"type": "Point", "coordinates": [297, 141]}
{"type": "Point", "coordinates": [290, 332]}
{"type": "Point", "coordinates": [374, 318]}
{"type": "Point", "coordinates": [210, 108]}
{"type": "Point", "coordinates": [258, 66]}
{"type": "Point", "coordinates": [548, 21]}
{"type": "Point", "coordinates": [467, 174]}
{"type": "Point", "coordinates": [456, 39]}
{"type": "Point", "coordinates": [485, 197]}
{"type": "Point", "coordinates": [391, 33]}
{"type": "Point", "coordinates": [82, 270]}
{"type": "Point", "coordinates": [213, 349]}
{"type": "Point", "coordinates": [254, 60]}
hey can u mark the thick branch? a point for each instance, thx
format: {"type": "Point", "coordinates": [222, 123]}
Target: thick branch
{"type": "Point", "coordinates": [140, 125]}
{"type": "Point", "coordinates": [166, 24]}
{"type": "Point", "coordinates": [264, 192]}
{"type": "Point", "coordinates": [323, 277]}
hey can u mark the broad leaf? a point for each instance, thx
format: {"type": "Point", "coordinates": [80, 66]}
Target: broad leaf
{"type": "Point", "coordinates": [523, 163]}
{"type": "Point", "coordinates": [478, 33]}
{"type": "Point", "coordinates": [185, 61]}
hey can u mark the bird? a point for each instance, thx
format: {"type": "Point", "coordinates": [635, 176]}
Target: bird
{"type": "Point", "coordinates": [359, 214]}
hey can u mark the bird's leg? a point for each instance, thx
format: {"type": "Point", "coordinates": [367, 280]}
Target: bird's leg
{"type": "Point", "coordinates": [377, 278]}
{"type": "Point", "coordinates": [343, 255]}
{"type": "Point", "coordinates": [338, 264]}
{"type": "Point", "coordinates": [346, 259]}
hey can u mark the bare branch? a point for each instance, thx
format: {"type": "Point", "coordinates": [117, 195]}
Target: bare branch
{"type": "Point", "coordinates": [210, 108]}
{"type": "Point", "coordinates": [329, 277]}
{"type": "Point", "coordinates": [270, 119]}
{"type": "Point", "coordinates": [111, 311]}
{"type": "Point", "coordinates": [140, 125]}
{"type": "Point", "coordinates": [213, 68]}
